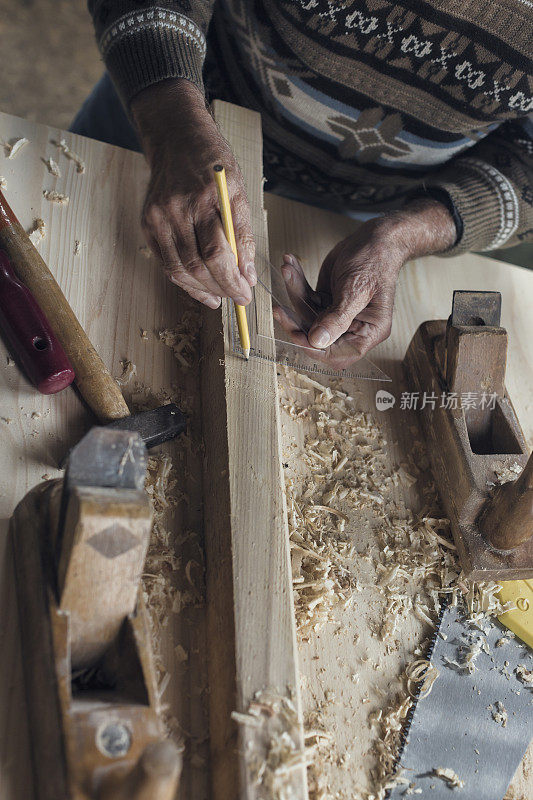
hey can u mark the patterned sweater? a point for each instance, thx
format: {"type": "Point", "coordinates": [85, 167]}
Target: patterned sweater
{"type": "Point", "coordinates": [364, 103]}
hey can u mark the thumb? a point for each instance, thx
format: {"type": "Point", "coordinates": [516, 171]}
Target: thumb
{"type": "Point", "coordinates": [336, 320]}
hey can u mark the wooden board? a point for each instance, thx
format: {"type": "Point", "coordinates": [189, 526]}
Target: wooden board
{"type": "Point", "coordinates": [330, 658]}
{"type": "Point", "coordinates": [251, 629]}
{"type": "Point", "coordinates": [115, 291]}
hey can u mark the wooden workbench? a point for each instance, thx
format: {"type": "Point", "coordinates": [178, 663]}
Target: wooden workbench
{"type": "Point", "coordinates": [116, 291]}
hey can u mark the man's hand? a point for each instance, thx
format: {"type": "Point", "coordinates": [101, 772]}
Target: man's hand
{"type": "Point", "coordinates": [181, 218]}
{"type": "Point", "coordinates": [351, 310]}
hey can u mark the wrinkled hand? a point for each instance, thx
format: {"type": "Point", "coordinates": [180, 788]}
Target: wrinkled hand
{"type": "Point", "coordinates": [181, 218]}
{"type": "Point", "coordinates": [351, 310]}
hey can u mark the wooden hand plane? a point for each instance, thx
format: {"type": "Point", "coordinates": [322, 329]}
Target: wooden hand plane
{"type": "Point", "coordinates": [473, 436]}
{"type": "Point", "coordinates": [79, 548]}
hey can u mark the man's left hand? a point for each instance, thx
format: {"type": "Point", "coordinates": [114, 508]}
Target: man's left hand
{"type": "Point", "coordinates": [351, 310]}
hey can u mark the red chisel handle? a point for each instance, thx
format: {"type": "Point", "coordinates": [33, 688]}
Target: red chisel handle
{"type": "Point", "coordinates": [29, 335]}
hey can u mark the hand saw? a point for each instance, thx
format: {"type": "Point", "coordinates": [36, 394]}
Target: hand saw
{"type": "Point", "coordinates": [471, 730]}
{"type": "Point", "coordinates": [477, 724]}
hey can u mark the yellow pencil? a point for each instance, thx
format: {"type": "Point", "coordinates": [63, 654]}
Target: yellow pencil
{"type": "Point", "coordinates": [227, 221]}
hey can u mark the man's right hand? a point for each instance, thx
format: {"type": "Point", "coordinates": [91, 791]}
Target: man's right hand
{"type": "Point", "coordinates": [181, 218]}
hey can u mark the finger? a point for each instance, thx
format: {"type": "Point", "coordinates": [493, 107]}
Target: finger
{"type": "Point", "coordinates": [374, 324]}
{"type": "Point", "coordinates": [220, 261]}
{"type": "Point", "coordinates": [291, 327]}
{"type": "Point", "coordinates": [174, 268]}
{"type": "Point", "coordinates": [162, 242]}
{"type": "Point", "coordinates": [188, 250]}
{"type": "Point", "coordinates": [305, 301]}
{"type": "Point", "coordinates": [350, 299]}
{"type": "Point", "coordinates": [194, 289]}
{"type": "Point", "coordinates": [244, 238]}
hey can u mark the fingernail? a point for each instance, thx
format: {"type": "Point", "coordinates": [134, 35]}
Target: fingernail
{"type": "Point", "coordinates": [213, 302]}
{"type": "Point", "coordinates": [319, 337]}
{"type": "Point", "coordinates": [287, 274]}
{"type": "Point", "coordinates": [290, 259]}
{"type": "Point", "coordinates": [242, 301]}
{"type": "Point", "coordinates": [252, 274]}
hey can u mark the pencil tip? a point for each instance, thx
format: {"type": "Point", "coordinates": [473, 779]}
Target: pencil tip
{"type": "Point", "coordinates": [247, 353]}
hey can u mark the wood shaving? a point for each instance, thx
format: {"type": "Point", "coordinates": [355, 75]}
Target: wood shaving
{"type": "Point", "coordinates": [77, 247]}
{"type": "Point", "coordinates": [270, 733]}
{"type": "Point", "coordinates": [499, 714]}
{"type": "Point", "coordinates": [182, 339]}
{"type": "Point", "coordinates": [3, 182]}
{"type": "Point", "coordinates": [13, 148]}
{"type": "Point", "coordinates": [449, 776]}
{"type": "Point", "coordinates": [145, 251]}
{"type": "Point", "coordinates": [144, 335]}
{"type": "Point", "coordinates": [52, 167]}
{"type": "Point", "coordinates": [37, 232]}
{"type": "Point", "coordinates": [128, 371]}
{"type": "Point", "coordinates": [421, 672]}
{"type": "Point", "coordinates": [56, 197]}
{"type": "Point", "coordinates": [506, 473]}
{"type": "Point", "coordinates": [468, 651]}
{"type": "Point", "coordinates": [71, 155]}
{"type": "Point", "coordinates": [525, 675]}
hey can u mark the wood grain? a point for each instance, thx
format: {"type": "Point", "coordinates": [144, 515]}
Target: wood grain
{"type": "Point", "coordinates": [251, 627]}
{"type": "Point", "coordinates": [330, 658]}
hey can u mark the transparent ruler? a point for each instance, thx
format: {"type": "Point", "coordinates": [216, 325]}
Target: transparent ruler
{"type": "Point", "coordinates": [276, 345]}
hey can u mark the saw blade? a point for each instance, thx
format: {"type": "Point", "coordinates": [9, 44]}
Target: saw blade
{"type": "Point", "coordinates": [477, 723]}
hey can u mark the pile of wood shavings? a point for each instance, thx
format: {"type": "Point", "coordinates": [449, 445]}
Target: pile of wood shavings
{"type": "Point", "coordinates": [323, 577]}
{"type": "Point", "coordinates": [270, 730]}
{"type": "Point", "coordinates": [415, 564]}
{"type": "Point", "coordinates": [163, 567]}
{"type": "Point", "coordinates": [183, 339]}
{"type": "Point", "coordinates": [171, 582]}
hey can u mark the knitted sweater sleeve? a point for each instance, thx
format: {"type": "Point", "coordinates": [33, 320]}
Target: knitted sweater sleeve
{"type": "Point", "coordinates": [146, 42]}
{"type": "Point", "coordinates": [491, 189]}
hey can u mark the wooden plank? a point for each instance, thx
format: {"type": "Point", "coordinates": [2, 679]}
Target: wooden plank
{"type": "Point", "coordinates": [251, 631]}
{"type": "Point", "coordinates": [115, 291]}
{"type": "Point", "coordinates": [330, 657]}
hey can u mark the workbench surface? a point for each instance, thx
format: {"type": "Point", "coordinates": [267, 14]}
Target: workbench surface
{"type": "Point", "coordinates": [117, 292]}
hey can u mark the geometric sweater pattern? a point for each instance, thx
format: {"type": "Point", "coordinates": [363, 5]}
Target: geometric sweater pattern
{"type": "Point", "coordinates": [364, 103]}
